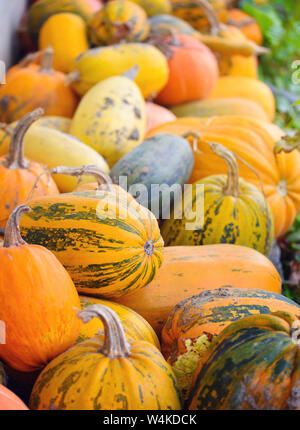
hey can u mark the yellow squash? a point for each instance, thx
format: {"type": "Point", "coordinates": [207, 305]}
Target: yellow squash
{"type": "Point", "coordinates": [97, 64]}
{"type": "Point", "coordinates": [55, 148]}
{"type": "Point", "coordinates": [155, 7]}
{"type": "Point", "coordinates": [111, 118]}
{"type": "Point", "coordinates": [66, 33]}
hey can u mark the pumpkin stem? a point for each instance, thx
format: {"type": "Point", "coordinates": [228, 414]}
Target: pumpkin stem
{"type": "Point", "coordinates": [240, 24]}
{"type": "Point", "coordinates": [102, 178]}
{"type": "Point", "coordinates": [6, 128]}
{"type": "Point", "coordinates": [115, 343]}
{"type": "Point", "coordinates": [72, 77]}
{"type": "Point", "coordinates": [215, 26]}
{"type": "Point", "coordinates": [12, 235]}
{"type": "Point", "coordinates": [132, 72]}
{"type": "Point", "coordinates": [47, 61]}
{"type": "Point", "coordinates": [232, 186]}
{"type": "Point", "coordinates": [15, 158]}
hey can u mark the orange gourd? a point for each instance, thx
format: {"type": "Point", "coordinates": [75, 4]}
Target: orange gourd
{"type": "Point", "coordinates": [28, 88]}
{"type": "Point", "coordinates": [157, 115]}
{"type": "Point", "coordinates": [193, 71]}
{"type": "Point", "coordinates": [245, 23]}
{"type": "Point", "coordinates": [38, 302]}
{"type": "Point", "coordinates": [21, 179]}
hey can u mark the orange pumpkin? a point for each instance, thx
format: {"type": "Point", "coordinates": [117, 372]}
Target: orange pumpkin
{"type": "Point", "coordinates": [38, 302]}
{"type": "Point", "coordinates": [246, 23]}
{"type": "Point", "coordinates": [21, 179]}
{"type": "Point", "coordinates": [157, 115]}
{"type": "Point", "coordinates": [193, 71]}
{"type": "Point", "coordinates": [190, 270]}
{"type": "Point", "coordinates": [28, 88]}
{"type": "Point", "coordinates": [9, 401]}
{"type": "Point", "coordinates": [253, 141]}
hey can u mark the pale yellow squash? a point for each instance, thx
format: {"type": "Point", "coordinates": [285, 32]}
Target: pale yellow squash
{"type": "Point", "coordinates": [66, 33]}
{"type": "Point", "coordinates": [111, 118]}
{"type": "Point", "coordinates": [54, 148]}
{"type": "Point", "coordinates": [155, 7]}
{"type": "Point", "coordinates": [98, 64]}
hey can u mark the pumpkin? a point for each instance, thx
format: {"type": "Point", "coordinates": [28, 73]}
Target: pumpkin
{"type": "Point", "coordinates": [254, 141]}
{"type": "Point", "coordinates": [135, 327]}
{"type": "Point", "coordinates": [98, 64]}
{"type": "Point", "coordinates": [155, 183]}
{"type": "Point", "coordinates": [109, 244]}
{"type": "Point", "coordinates": [221, 209]}
{"type": "Point", "coordinates": [43, 9]}
{"type": "Point", "coordinates": [111, 118]}
{"type": "Point", "coordinates": [54, 148]}
{"type": "Point", "coordinates": [246, 23]}
{"type": "Point", "coordinates": [196, 321]}
{"type": "Point", "coordinates": [194, 12]}
{"type": "Point", "coordinates": [121, 375]}
{"type": "Point", "coordinates": [67, 44]}
{"type": "Point", "coordinates": [20, 179]}
{"type": "Point", "coordinates": [36, 86]}
{"type": "Point", "coordinates": [193, 72]}
{"type": "Point", "coordinates": [9, 401]}
{"type": "Point", "coordinates": [248, 88]}
{"type": "Point", "coordinates": [222, 106]}
{"type": "Point", "coordinates": [157, 115]}
{"type": "Point", "coordinates": [118, 20]}
{"type": "Point", "coordinates": [40, 311]}
{"type": "Point", "coordinates": [154, 7]}
{"type": "Point", "coordinates": [252, 365]}
{"type": "Point", "coordinates": [190, 270]}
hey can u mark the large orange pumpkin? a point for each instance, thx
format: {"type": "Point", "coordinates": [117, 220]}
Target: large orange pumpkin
{"type": "Point", "coordinates": [190, 270]}
{"type": "Point", "coordinates": [254, 142]}
{"type": "Point", "coordinates": [35, 86]}
{"type": "Point", "coordinates": [21, 179]}
{"type": "Point", "coordinates": [9, 401]}
{"type": "Point", "coordinates": [38, 302]}
{"type": "Point", "coordinates": [193, 71]}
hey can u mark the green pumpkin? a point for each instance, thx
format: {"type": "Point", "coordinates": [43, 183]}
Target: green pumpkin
{"type": "Point", "coordinates": [162, 159]}
{"type": "Point", "coordinates": [253, 364]}
{"type": "Point", "coordinates": [222, 209]}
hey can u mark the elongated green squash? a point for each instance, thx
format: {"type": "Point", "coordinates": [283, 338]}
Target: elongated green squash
{"type": "Point", "coordinates": [110, 245]}
{"type": "Point", "coordinates": [146, 164]}
{"type": "Point", "coordinates": [111, 118]}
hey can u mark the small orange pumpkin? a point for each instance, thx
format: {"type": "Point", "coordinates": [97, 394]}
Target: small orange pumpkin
{"type": "Point", "coordinates": [19, 178]}
{"type": "Point", "coordinates": [157, 115]}
{"type": "Point", "coordinates": [193, 71]}
{"type": "Point", "coordinates": [246, 23]}
{"type": "Point", "coordinates": [28, 88]}
{"type": "Point", "coordinates": [38, 302]}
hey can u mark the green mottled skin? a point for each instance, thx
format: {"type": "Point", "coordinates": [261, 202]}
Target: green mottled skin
{"type": "Point", "coordinates": [161, 22]}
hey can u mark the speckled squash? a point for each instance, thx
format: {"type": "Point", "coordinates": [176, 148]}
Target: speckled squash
{"type": "Point", "coordinates": [252, 365]}
{"type": "Point", "coordinates": [222, 209]}
{"type": "Point", "coordinates": [254, 141]}
{"type": "Point", "coordinates": [110, 375]}
{"type": "Point", "coordinates": [222, 106]}
{"type": "Point", "coordinates": [53, 148]}
{"type": "Point", "coordinates": [34, 86]}
{"type": "Point", "coordinates": [43, 9]}
{"type": "Point", "coordinates": [3, 378]}
{"type": "Point", "coordinates": [196, 321]}
{"type": "Point", "coordinates": [66, 33]}
{"type": "Point", "coordinates": [146, 165]}
{"type": "Point", "coordinates": [98, 64]}
{"type": "Point", "coordinates": [154, 7]}
{"type": "Point", "coordinates": [111, 118]}
{"type": "Point", "coordinates": [118, 20]}
{"type": "Point", "coordinates": [135, 327]}
{"type": "Point", "coordinates": [191, 270]}
{"type": "Point", "coordinates": [110, 245]}
{"type": "Point", "coordinates": [192, 12]}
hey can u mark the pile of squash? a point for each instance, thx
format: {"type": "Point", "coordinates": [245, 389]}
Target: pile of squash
{"type": "Point", "coordinates": [109, 301]}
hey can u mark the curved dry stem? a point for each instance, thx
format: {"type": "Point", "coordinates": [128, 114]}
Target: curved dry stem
{"type": "Point", "coordinates": [12, 235]}
{"type": "Point", "coordinates": [115, 343]}
{"type": "Point", "coordinates": [101, 177]}
{"type": "Point", "coordinates": [72, 77]}
{"type": "Point", "coordinates": [15, 158]}
{"type": "Point", "coordinates": [211, 15]}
